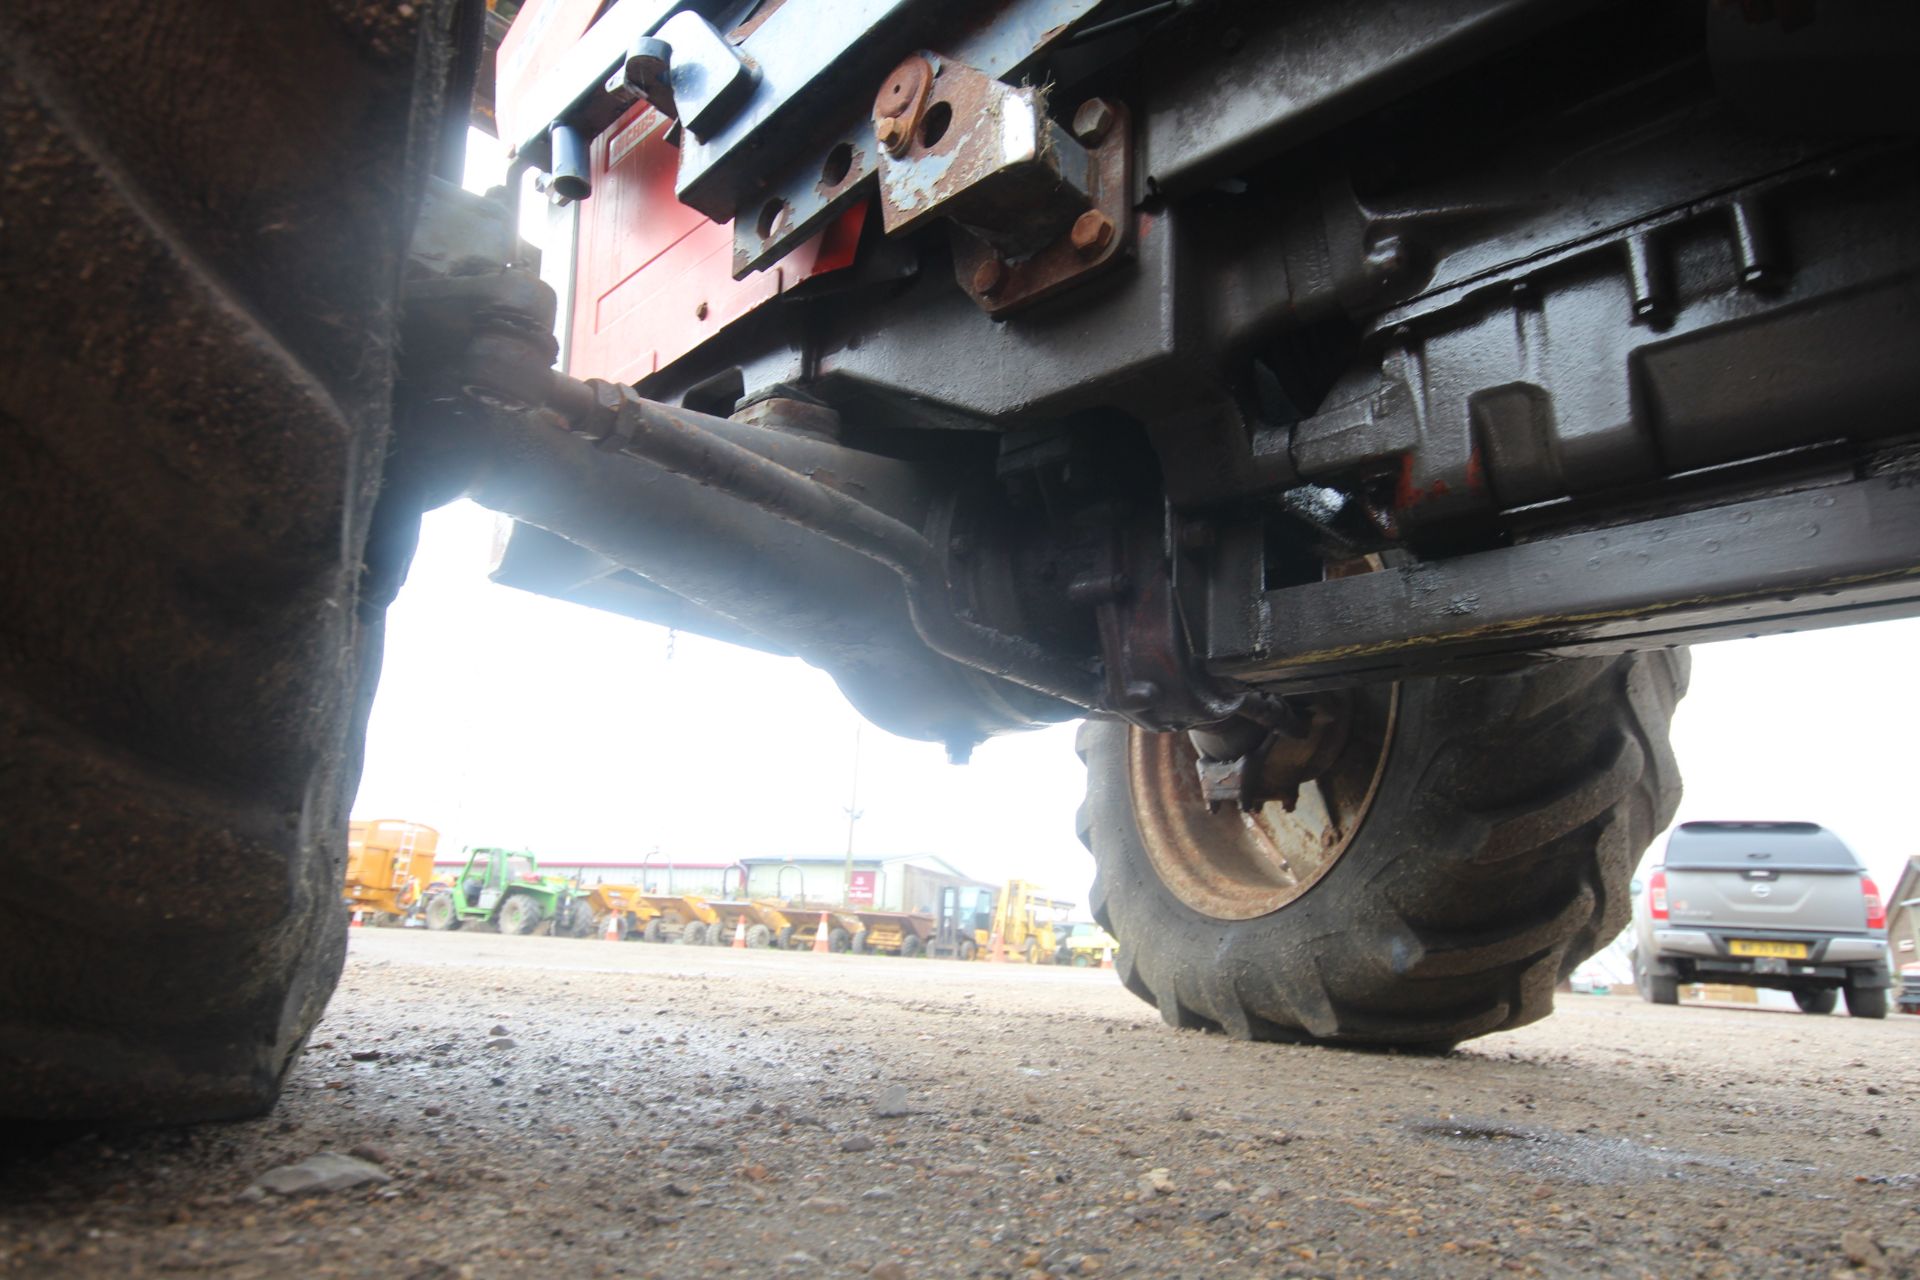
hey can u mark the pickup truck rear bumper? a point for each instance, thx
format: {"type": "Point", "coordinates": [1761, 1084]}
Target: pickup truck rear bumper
{"type": "Point", "coordinates": [1863, 961]}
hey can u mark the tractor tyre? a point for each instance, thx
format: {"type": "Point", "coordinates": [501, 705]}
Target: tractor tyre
{"type": "Point", "coordinates": [440, 913]}
{"type": "Point", "coordinates": [521, 914]}
{"type": "Point", "coordinates": [1471, 844]}
{"type": "Point", "coordinates": [196, 380]}
{"type": "Point", "coordinates": [1031, 952]}
{"type": "Point", "coordinates": [912, 947]}
{"type": "Point", "coordinates": [1819, 1000]}
{"type": "Point", "coordinates": [1081, 960]}
{"type": "Point", "coordinates": [653, 931]}
{"type": "Point", "coordinates": [693, 934]}
{"type": "Point", "coordinates": [759, 936]}
{"type": "Point", "coordinates": [968, 948]}
{"type": "Point", "coordinates": [839, 940]}
{"type": "Point", "coordinates": [784, 939]}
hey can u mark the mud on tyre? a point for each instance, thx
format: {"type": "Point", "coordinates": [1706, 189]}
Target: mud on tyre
{"type": "Point", "coordinates": [196, 373]}
{"type": "Point", "coordinates": [1502, 818]}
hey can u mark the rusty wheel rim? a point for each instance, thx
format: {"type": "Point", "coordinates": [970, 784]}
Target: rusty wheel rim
{"type": "Point", "coordinates": [1235, 864]}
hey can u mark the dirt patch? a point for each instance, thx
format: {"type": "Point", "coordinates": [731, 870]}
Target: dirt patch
{"type": "Point", "coordinates": [546, 1106]}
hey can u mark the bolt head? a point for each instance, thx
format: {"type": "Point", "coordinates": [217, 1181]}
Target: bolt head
{"type": "Point", "coordinates": [1092, 233]}
{"type": "Point", "coordinates": [892, 132]}
{"type": "Point", "coordinates": [989, 277]}
{"type": "Point", "coordinates": [1092, 121]}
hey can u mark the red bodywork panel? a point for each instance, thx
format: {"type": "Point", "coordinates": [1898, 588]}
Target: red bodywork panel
{"type": "Point", "coordinates": [653, 279]}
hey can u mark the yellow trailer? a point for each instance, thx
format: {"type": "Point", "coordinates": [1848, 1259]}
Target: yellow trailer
{"type": "Point", "coordinates": [389, 865]}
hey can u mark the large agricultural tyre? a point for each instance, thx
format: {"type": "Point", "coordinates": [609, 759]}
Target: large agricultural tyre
{"type": "Point", "coordinates": [441, 914]}
{"type": "Point", "coordinates": [653, 931]}
{"type": "Point", "coordinates": [521, 914]}
{"type": "Point", "coordinates": [1472, 843]}
{"type": "Point", "coordinates": [759, 937]}
{"type": "Point", "coordinates": [207, 210]}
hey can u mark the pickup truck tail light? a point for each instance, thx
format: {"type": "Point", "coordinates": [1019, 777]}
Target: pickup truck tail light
{"type": "Point", "coordinates": [1657, 895]}
{"type": "Point", "coordinates": [1876, 909]}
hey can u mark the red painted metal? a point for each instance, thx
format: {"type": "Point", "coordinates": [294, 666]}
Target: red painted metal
{"type": "Point", "coordinates": [653, 278]}
{"type": "Point", "coordinates": [539, 38]}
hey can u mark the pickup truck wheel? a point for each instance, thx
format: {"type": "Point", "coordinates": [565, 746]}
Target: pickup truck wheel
{"type": "Point", "coordinates": [1819, 1001]}
{"type": "Point", "coordinates": [195, 389]}
{"type": "Point", "coordinates": [1866, 1002]}
{"type": "Point", "coordinates": [1472, 845]}
{"type": "Point", "coordinates": [1655, 988]}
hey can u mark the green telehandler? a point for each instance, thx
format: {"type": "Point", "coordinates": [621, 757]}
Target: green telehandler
{"type": "Point", "coordinates": [504, 888]}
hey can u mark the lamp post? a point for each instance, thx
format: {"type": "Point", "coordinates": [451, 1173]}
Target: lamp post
{"type": "Point", "coordinates": [853, 812]}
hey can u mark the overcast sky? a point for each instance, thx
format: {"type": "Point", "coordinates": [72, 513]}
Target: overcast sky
{"type": "Point", "coordinates": [511, 719]}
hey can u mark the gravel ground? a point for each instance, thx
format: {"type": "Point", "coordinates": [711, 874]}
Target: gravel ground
{"type": "Point", "coordinates": [561, 1108]}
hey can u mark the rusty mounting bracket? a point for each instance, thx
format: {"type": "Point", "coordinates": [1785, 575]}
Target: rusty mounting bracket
{"type": "Point", "coordinates": [1034, 205]}
{"type": "Point", "coordinates": [1096, 239]}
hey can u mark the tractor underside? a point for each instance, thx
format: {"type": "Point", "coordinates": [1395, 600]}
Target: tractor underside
{"type": "Point", "coordinates": [1191, 363]}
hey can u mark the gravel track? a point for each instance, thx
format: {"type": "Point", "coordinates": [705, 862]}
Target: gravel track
{"type": "Point", "coordinates": [560, 1107]}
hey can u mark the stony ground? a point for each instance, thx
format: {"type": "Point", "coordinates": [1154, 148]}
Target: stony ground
{"type": "Point", "coordinates": [559, 1108]}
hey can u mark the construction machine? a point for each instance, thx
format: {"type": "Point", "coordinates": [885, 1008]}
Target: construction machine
{"type": "Point", "coordinates": [503, 888]}
{"type": "Point", "coordinates": [1084, 945]}
{"type": "Point", "coordinates": [389, 866]}
{"type": "Point", "coordinates": [1350, 409]}
{"type": "Point", "coordinates": [1014, 922]}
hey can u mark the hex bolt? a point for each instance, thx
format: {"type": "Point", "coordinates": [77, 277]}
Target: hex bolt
{"type": "Point", "coordinates": [1092, 121]}
{"type": "Point", "coordinates": [989, 277]}
{"type": "Point", "coordinates": [893, 134]}
{"type": "Point", "coordinates": [1092, 233]}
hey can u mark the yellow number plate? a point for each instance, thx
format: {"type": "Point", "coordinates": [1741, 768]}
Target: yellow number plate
{"type": "Point", "coordinates": [1784, 950]}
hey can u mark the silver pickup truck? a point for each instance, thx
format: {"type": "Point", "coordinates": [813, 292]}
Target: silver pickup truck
{"type": "Point", "coordinates": [1763, 904]}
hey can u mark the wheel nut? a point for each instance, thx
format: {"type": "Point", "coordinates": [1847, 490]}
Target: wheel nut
{"type": "Point", "coordinates": [893, 133]}
{"type": "Point", "coordinates": [989, 277]}
{"type": "Point", "coordinates": [1092, 120]}
{"type": "Point", "coordinates": [1092, 233]}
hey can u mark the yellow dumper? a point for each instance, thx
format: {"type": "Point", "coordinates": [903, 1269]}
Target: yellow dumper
{"type": "Point", "coordinates": [389, 865]}
{"type": "Point", "coordinates": [652, 917]}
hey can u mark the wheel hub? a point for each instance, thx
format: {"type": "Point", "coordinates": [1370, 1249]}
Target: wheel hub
{"type": "Point", "coordinates": [1238, 838]}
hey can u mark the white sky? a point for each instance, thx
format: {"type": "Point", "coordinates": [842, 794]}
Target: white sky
{"type": "Point", "coordinates": [511, 719]}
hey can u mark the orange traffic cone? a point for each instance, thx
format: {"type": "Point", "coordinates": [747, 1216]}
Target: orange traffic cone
{"type": "Point", "coordinates": [820, 946]}
{"type": "Point", "coordinates": [1106, 957]}
{"type": "Point", "coordinates": [740, 934]}
{"type": "Point", "coordinates": [356, 922]}
{"type": "Point", "coordinates": [613, 927]}
{"type": "Point", "coordinates": [998, 949]}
